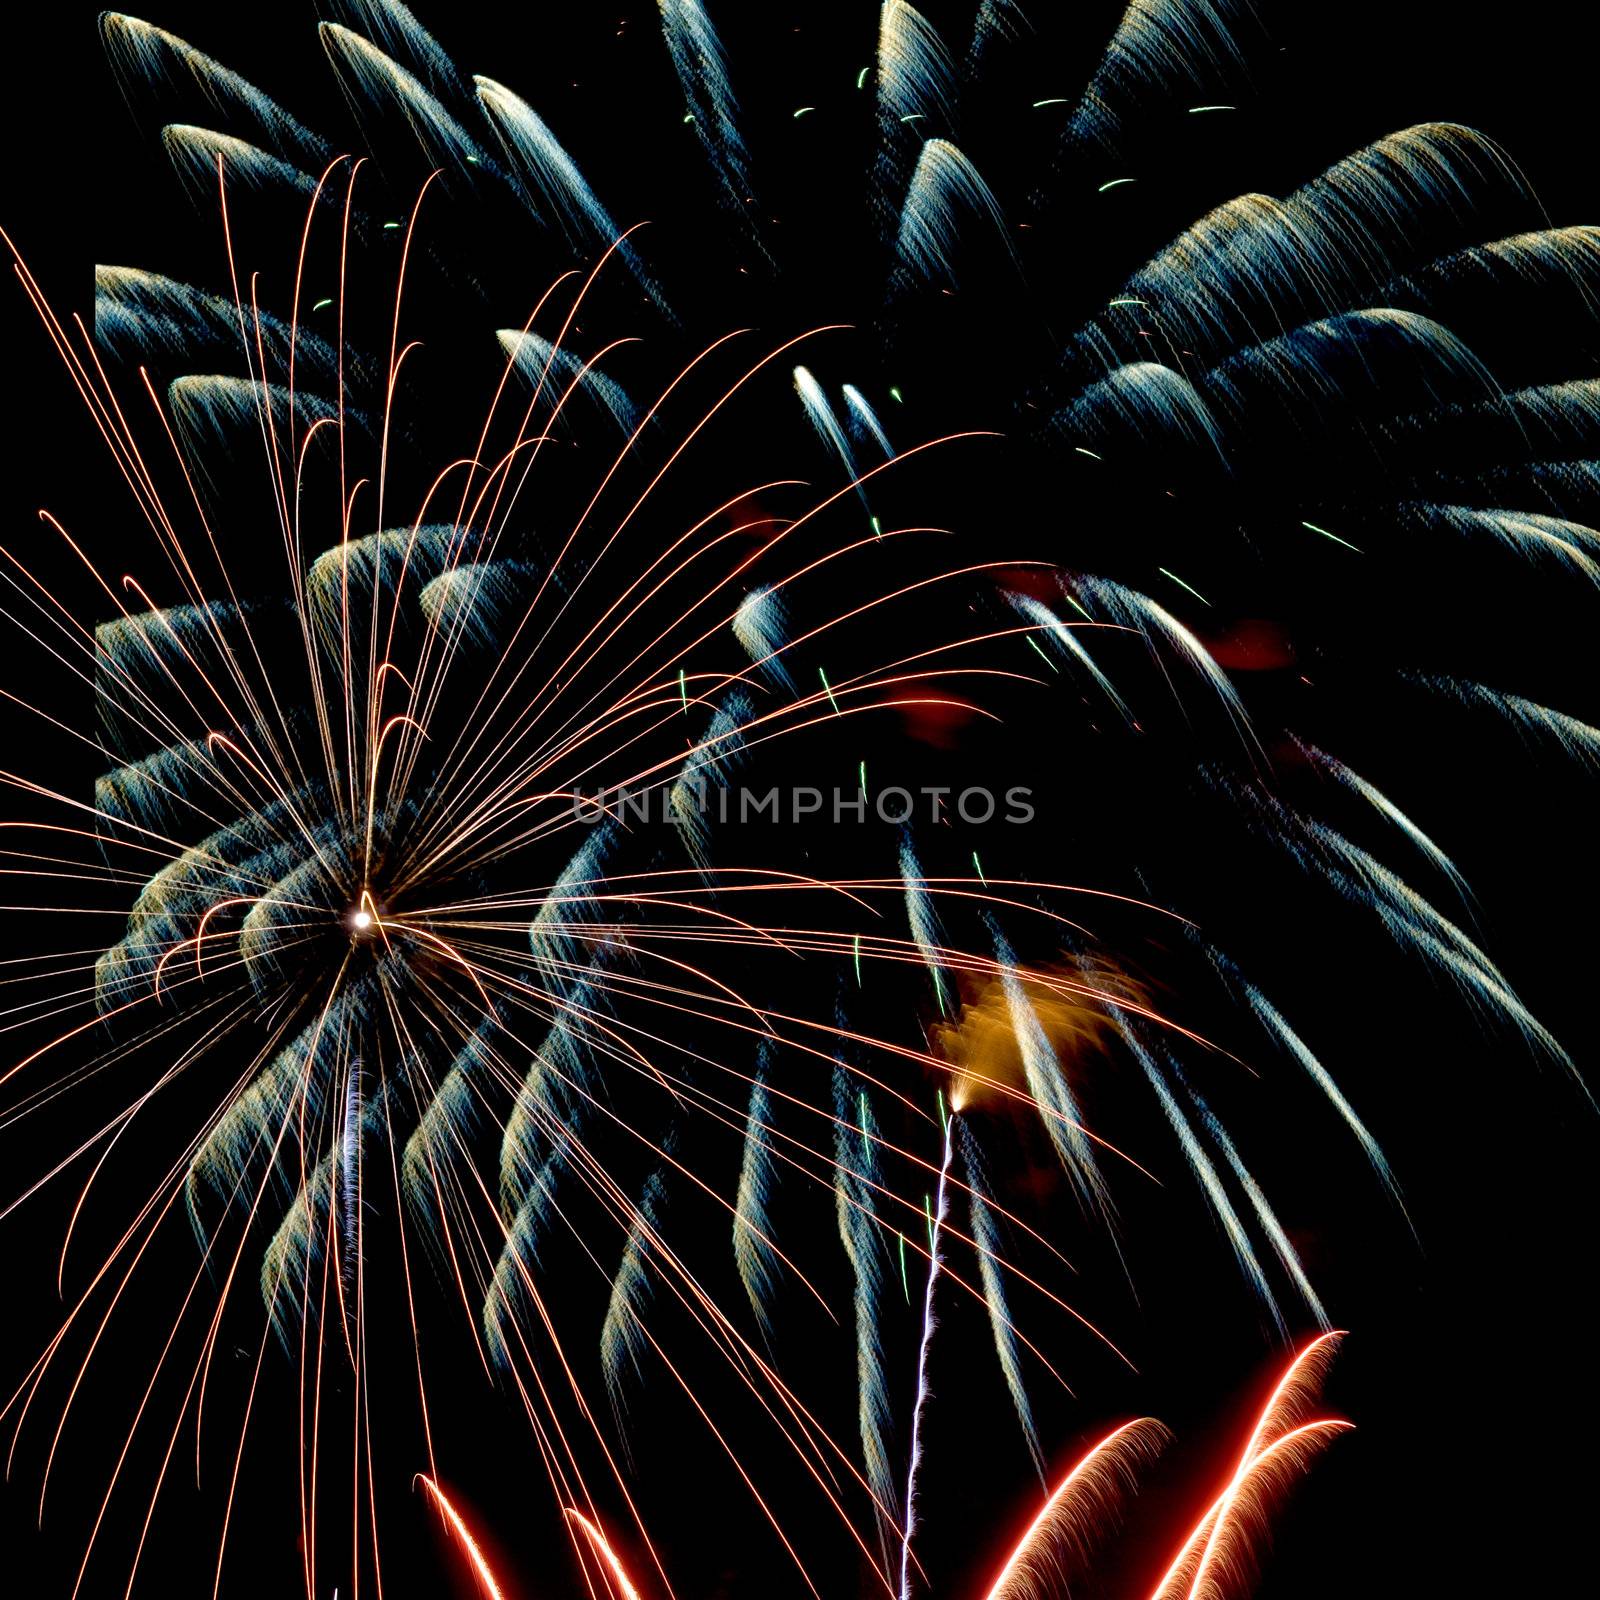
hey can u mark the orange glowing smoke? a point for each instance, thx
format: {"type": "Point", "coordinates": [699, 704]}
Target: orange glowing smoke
{"type": "Point", "coordinates": [980, 1042]}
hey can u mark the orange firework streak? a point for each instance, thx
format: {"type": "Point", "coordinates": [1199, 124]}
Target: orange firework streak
{"type": "Point", "coordinates": [602, 1548]}
{"type": "Point", "coordinates": [1214, 1560]}
{"type": "Point", "coordinates": [480, 1567]}
{"type": "Point", "coordinates": [1212, 1563]}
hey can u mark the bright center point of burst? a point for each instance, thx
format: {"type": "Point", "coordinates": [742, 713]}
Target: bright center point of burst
{"type": "Point", "coordinates": [361, 921]}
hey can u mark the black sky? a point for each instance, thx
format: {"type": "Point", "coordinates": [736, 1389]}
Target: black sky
{"type": "Point", "coordinates": [1470, 1370]}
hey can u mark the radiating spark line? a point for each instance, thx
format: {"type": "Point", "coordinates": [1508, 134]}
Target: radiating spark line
{"type": "Point", "coordinates": [480, 1567]}
{"type": "Point", "coordinates": [602, 1548]}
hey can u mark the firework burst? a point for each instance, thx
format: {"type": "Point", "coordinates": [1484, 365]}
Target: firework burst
{"type": "Point", "coordinates": [536, 729]}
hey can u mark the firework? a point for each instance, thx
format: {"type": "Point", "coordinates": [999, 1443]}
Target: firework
{"type": "Point", "coordinates": [1214, 1559]}
{"type": "Point", "coordinates": [489, 566]}
{"type": "Point", "coordinates": [1060, 1544]}
{"type": "Point", "coordinates": [480, 1567]}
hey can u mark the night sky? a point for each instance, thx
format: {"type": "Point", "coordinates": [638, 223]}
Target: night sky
{"type": "Point", "coordinates": [1468, 1370]}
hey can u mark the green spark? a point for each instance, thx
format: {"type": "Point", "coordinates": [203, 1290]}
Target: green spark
{"type": "Point", "coordinates": [914, 116]}
{"type": "Point", "coordinates": [979, 866]}
{"type": "Point", "coordinates": [683, 688]}
{"type": "Point", "coordinates": [1090, 453]}
{"type": "Point", "coordinates": [927, 1207]}
{"type": "Point", "coordinates": [857, 950]}
{"type": "Point", "coordinates": [1038, 104]}
{"type": "Point", "coordinates": [877, 528]}
{"type": "Point", "coordinates": [390, 225]}
{"type": "Point", "coordinates": [898, 398]}
{"type": "Point", "coordinates": [1125, 300]}
{"type": "Point", "coordinates": [803, 109]}
{"type": "Point", "coordinates": [863, 771]}
{"type": "Point", "coordinates": [1335, 537]}
{"type": "Point", "coordinates": [905, 1282]}
{"type": "Point", "coordinates": [827, 689]}
{"type": "Point", "coordinates": [1195, 111]}
{"type": "Point", "coordinates": [1114, 184]}
{"type": "Point", "coordinates": [1042, 656]}
{"type": "Point", "coordinates": [944, 1120]}
{"type": "Point", "coordinates": [1182, 585]}
{"type": "Point", "coordinates": [866, 1142]}
{"type": "Point", "coordinates": [321, 303]}
{"type": "Point", "coordinates": [861, 77]}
